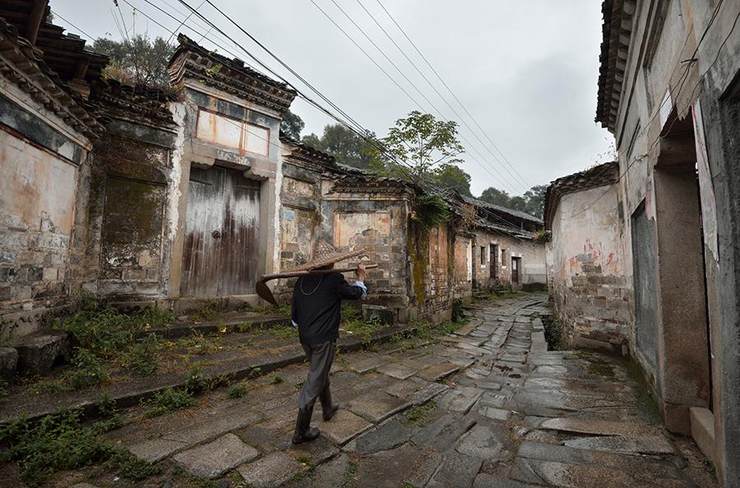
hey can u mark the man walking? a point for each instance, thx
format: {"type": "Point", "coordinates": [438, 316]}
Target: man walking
{"type": "Point", "coordinates": [316, 311]}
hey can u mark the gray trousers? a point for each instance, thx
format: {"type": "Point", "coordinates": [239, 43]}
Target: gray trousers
{"type": "Point", "coordinates": [320, 357]}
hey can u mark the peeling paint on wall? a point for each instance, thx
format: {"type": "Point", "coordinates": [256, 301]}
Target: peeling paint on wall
{"type": "Point", "coordinates": [174, 194]}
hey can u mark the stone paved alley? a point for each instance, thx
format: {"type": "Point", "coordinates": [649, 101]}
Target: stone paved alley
{"type": "Point", "coordinates": [487, 406]}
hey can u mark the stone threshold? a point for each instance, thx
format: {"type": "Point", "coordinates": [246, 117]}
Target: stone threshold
{"type": "Point", "coordinates": [127, 394]}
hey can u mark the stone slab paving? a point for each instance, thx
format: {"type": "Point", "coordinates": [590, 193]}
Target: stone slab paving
{"type": "Point", "coordinates": [345, 426]}
{"type": "Point", "coordinates": [396, 370]}
{"type": "Point", "coordinates": [213, 459]}
{"type": "Point", "coordinates": [272, 470]}
{"type": "Point", "coordinates": [485, 406]}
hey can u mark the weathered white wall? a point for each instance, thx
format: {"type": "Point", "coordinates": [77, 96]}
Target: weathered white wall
{"type": "Point", "coordinates": [532, 256]}
{"type": "Point", "coordinates": [586, 269]}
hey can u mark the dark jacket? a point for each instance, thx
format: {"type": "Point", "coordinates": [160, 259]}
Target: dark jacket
{"type": "Point", "coordinates": [317, 304]}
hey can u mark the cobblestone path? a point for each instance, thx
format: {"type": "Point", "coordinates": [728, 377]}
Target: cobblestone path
{"type": "Point", "coordinates": [488, 406]}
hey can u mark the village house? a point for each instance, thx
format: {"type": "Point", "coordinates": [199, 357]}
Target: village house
{"type": "Point", "coordinates": [585, 259]}
{"type": "Point", "coordinates": [669, 91]}
{"type": "Point", "coordinates": [184, 196]}
{"type": "Point", "coordinates": [506, 248]}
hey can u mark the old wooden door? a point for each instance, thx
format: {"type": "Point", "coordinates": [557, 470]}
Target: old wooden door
{"type": "Point", "coordinates": [220, 254]}
{"type": "Point", "coordinates": [494, 261]}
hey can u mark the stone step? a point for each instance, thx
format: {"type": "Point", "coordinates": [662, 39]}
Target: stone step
{"type": "Point", "coordinates": [131, 393]}
{"type": "Point", "coordinates": [40, 351]}
{"type": "Point", "coordinates": [8, 362]}
{"type": "Point", "coordinates": [235, 325]}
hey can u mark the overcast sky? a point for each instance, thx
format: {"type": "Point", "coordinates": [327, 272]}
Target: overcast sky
{"type": "Point", "coordinates": [526, 69]}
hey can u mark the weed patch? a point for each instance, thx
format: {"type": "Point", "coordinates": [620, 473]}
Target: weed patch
{"type": "Point", "coordinates": [198, 344]}
{"type": "Point", "coordinates": [106, 337]}
{"type": "Point", "coordinates": [167, 401]}
{"type": "Point", "coordinates": [208, 312]}
{"type": "Point", "coordinates": [276, 379]}
{"type": "Point", "coordinates": [553, 333]}
{"type": "Point", "coordinates": [60, 442]}
{"type": "Point", "coordinates": [421, 414]}
{"type": "Point", "coordinates": [238, 390]}
{"type": "Point", "coordinates": [283, 332]}
{"type": "Point", "coordinates": [141, 359]}
{"type": "Point", "coordinates": [90, 370]}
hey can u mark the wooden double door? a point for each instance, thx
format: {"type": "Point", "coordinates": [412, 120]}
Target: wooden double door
{"type": "Point", "coordinates": [221, 253]}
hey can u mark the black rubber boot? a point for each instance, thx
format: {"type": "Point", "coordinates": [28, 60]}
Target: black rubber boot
{"type": "Point", "coordinates": [303, 430]}
{"type": "Point", "coordinates": [328, 408]}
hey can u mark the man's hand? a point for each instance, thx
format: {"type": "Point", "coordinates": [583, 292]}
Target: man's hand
{"type": "Point", "coordinates": [361, 273]}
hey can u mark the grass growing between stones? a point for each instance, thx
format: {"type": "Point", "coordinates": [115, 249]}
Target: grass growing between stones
{"type": "Point", "coordinates": [105, 339]}
{"type": "Point", "coordinates": [646, 404]}
{"type": "Point", "coordinates": [355, 325]}
{"type": "Point", "coordinates": [61, 442]}
{"type": "Point", "coordinates": [238, 390]}
{"type": "Point", "coordinates": [421, 414]}
{"type": "Point", "coordinates": [283, 332]}
{"type": "Point", "coordinates": [554, 333]}
{"type": "Point", "coordinates": [600, 368]}
{"type": "Point", "coordinates": [167, 401]}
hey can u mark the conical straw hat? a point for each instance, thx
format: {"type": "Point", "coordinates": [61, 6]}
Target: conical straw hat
{"type": "Point", "coordinates": [326, 254]}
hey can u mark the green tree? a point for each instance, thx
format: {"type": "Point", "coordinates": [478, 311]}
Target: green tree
{"type": "Point", "coordinates": [292, 125]}
{"type": "Point", "coordinates": [422, 142]}
{"type": "Point", "coordinates": [139, 60]}
{"type": "Point", "coordinates": [518, 203]}
{"type": "Point", "coordinates": [448, 175]}
{"type": "Point", "coordinates": [535, 197]}
{"type": "Point", "coordinates": [345, 145]}
{"type": "Point", "coordinates": [495, 196]}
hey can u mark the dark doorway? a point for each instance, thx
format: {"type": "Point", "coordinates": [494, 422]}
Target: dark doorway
{"type": "Point", "coordinates": [644, 278]}
{"type": "Point", "coordinates": [683, 334]}
{"type": "Point", "coordinates": [220, 255]}
{"type": "Point", "coordinates": [516, 268]}
{"type": "Point", "coordinates": [494, 261]}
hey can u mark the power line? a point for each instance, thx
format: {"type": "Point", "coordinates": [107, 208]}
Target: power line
{"type": "Point", "coordinates": [436, 73]}
{"type": "Point", "coordinates": [443, 98]}
{"type": "Point", "coordinates": [434, 107]}
{"type": "Point", "coordinates": [401, 165]}
{"type": "Point", "coordinates": [389, 76]}
{"type": "Point", "coordinates": [57, 14]}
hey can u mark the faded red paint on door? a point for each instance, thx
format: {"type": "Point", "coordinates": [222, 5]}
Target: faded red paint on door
{"type": "Point", "coordinates": [220, 254]}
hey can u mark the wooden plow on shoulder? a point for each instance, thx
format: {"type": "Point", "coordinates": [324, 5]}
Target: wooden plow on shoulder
{"type": "Point", "coordinates": [265, 293]}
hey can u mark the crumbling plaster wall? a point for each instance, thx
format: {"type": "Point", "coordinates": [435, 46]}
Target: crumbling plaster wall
{"type": "Point", "coordinates": [591, 296]}
{"type": "Point", "coordinates": [377, 222]}
{"type": "Point", "coordinates": [129, 210]}
{"type": "Point", "coordinates": [432, 260]}
{"type": "Point", "coordinates": [463, 267]}
{"type": "Point", "coordinates": [40, 160]}
{"type": "Point", "coordinates": [318, 205]}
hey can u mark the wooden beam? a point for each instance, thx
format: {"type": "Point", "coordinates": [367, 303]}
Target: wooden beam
{"type": "Point", "coordinates": [34, 20]}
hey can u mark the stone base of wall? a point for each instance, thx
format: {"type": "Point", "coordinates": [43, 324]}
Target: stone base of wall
{"type": "Point", "coordinates": [22, 322]}
{"type": "Point", "coordinates": [593, 322]}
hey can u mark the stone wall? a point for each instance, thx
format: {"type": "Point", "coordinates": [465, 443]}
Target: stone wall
{"type": "Point", "coordinates": [431, 253]}
{"type": "Point", "coordinates": [591, 295]}
{"type": "Point", "coordinates": [128, 211]}
{"type": "Point", "coordinates": [323, 202]}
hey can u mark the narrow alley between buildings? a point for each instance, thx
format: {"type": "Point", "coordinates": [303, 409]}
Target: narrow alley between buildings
{"type": "Point", "coordinates": [487, 405]}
